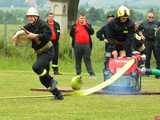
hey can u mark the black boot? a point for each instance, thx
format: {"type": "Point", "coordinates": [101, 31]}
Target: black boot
{"type": "Point", "coordinates": [56, 71]}
{"type": "Point", "coordinates": [57, 94]}
{"type": "Point", "coordinates": [46, 80]}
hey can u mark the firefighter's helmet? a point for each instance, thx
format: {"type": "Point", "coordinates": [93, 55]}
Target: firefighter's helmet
{"type": "Point", "coordinates": [123, 11]}
{"type": "Point", "coordinates": [32, 11]}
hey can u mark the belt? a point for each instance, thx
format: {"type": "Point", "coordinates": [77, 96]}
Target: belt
{"type": "Point", "coordinates": [119, 42]}
{"type": "Point", "coordinates": [45, 48]}
{"type": "Point", "coordinates": [116, 42]}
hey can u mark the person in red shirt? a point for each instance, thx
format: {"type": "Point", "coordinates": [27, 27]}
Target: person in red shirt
{"type": "Point", "coordinates": [55, 29]}
{"type": "Point", "coordinates": [81, 33]}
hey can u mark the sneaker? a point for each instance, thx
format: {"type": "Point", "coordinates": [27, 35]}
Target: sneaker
{"type": "Point", "coordinates": [57, 94]}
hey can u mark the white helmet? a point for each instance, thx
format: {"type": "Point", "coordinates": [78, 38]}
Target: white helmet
{"type": "Point", "coordinates": [32, 11]}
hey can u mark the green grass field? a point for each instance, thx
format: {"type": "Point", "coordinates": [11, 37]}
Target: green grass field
{"type": "Point", "coordinates": [17, 81]}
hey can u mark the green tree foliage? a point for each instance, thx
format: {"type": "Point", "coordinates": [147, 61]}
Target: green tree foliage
{"type": "Point", "coordinates": [137, 16]}
{"type": "Point", "coordinates": [9, 3]}
{"type": "Point", "coordinates": [12, 16]}
{"type": "Point", "coordinates": [98, 16]}
{"type": "Point", "coordinates": [94, 15]}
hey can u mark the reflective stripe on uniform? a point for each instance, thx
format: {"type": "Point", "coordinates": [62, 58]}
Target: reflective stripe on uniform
{"type": "Point", "coordinates": [138, 37]}
{"type": "Point", "coordinates": [43, 73]}
{"type": "Point", "coordinates": [54, 65]}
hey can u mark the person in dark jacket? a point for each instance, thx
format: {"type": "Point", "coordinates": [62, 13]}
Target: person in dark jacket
{"type": "Point", "coordinates": [119, 35]}
{"type": "Point", "coordinates": [148, 29]}
{"type": "Point", "coordinates": [102, 31]}
{"type": "Point", "coordinates": [81, 33]}
{"type": "Point", "coordinates": [102, 34]}
{"type": "Point", "coordinates": [39, 33]}
{"type": "Point", "coordinates": [157, 46]}
{"type": "Point", "coordinates": [55, 29]}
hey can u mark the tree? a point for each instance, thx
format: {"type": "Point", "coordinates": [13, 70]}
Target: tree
{"type": "Point", "coordinates": [137, 16]}
{"type": "Point", "coordinates": [92, 15]}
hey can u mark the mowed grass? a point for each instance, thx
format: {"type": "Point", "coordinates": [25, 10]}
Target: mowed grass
{"type": "Point", "coordinates": [16, 79]}
{"type": "Point", "coordinates": [94, 107]}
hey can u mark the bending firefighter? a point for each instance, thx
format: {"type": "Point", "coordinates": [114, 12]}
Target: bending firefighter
{"type": "Point", "coordinates": [118, 34]}
{"type": "Point", "coordinates": [39, 33]}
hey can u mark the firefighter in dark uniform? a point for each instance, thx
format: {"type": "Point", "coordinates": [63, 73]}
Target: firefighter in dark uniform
{"type": "Point", "coordinates": [81, 42]}
{"type": "Point", "coordinates": [55, 29]}
{"type": "Point", "coordinates": [119, 35]}
{"type": "Point", "coordinates": [38, 32]}
{"type": "Point", "coordinates": [148, 29]}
